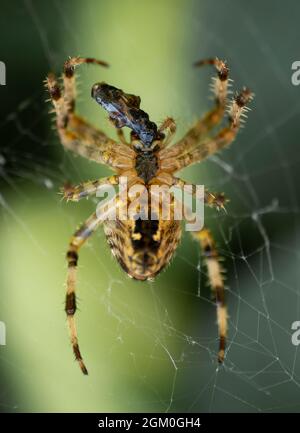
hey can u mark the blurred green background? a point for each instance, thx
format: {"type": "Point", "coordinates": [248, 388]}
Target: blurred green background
{"type": "Point", "coordinates": [150, 346]}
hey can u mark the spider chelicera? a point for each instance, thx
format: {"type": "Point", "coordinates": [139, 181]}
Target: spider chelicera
{"type": "Point", "coordinates": [143, 248]}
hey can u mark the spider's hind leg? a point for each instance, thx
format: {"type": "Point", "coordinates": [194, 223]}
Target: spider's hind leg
{"type": "Point", "coordinates": [78, 239]}
{"type": "Point", "coordinates": [216, 281]}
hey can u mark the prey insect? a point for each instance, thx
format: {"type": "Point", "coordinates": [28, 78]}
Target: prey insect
{"type": "Point", "coordinates": [143, 247]}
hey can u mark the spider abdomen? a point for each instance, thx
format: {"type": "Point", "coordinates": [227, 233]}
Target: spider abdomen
{"type": "Point", "coordinates": [143, 248]}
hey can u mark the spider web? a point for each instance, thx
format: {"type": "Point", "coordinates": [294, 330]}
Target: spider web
{"type": "Point", "coordinates": [152, 346]}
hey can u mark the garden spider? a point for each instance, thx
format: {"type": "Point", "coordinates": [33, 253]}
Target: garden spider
{"type": "Point", "coordinates": [143, 248]}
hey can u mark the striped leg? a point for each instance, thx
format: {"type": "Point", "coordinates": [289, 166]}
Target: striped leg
{"type": "Point", "coordinates": [168, 125]}
{"type": "Point", "coordinates": [216, 280]}
{"type": "Point", "coordinates": [69, 78]}
{"type": "Point", "coordinates": [178, 158]}
{"type": "Point", "coordinates": [75, 193]}
{"type": "Point", "coordinates": [216, 200]}
{"type": "Point", "coordinates": [78, 239]}
{"type": "Point", "coordinates": [77, 134]}
{"type": "Point", "coordinates": [64, 102]}
{"type": "Point", "coordinates": [213, 117]}
{"type": "Point", "coordinates": [219, 86]}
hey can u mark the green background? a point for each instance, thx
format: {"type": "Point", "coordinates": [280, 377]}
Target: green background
{"type": "Point", "coordinates": [150, 346]}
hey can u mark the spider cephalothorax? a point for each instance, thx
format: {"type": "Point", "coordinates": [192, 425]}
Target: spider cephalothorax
{"type": "Point", "coordinates": [143, 247]}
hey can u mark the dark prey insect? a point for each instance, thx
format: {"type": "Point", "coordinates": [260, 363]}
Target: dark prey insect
{"type": "Point", "coordinates": [143, 247]}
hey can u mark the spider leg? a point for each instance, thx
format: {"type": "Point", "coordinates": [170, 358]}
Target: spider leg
{"type": "Point", "coordinates": [121, 136]}
{"type": "Point", "coordinates": [176, 158]}
{"type": "Point", "coordinates": [70, 85]}
{"type": "Point", "coordinates": [78, 239]}
{"type": "Point", "coordinates": [119, 131]}
{"type": "Point", "coordinates": [169, 125]}
{"type": "Point", "coordinates": [213, 199]}
{"type": "Point", "coordinates": [77, 134]}
{"type": "Point", "coordinates": [75, 193]}
{"type": "Point", "coordinates": [69, 78]}
{"type": "Point", "coordinates": [216, 280]}
{"type": "Point", "coordinates": [212, 118]}
{"type": "Point", "coordinates": [219, 87]}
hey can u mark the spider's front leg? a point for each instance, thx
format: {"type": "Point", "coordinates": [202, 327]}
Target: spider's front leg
{"type": "Point", "coordinates": [219, 87]}
{"type": "Point", "coordinates": [168, 125]}
{"type": "Point", "coordinates": [216, 280]}
{"type": "Point", "coordinates": [77, 134]}
{"type": "Point", "coordinates": [213, 117]}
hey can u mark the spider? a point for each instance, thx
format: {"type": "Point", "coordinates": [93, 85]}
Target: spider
{"type": "Point", "coordinates": [143, 248]}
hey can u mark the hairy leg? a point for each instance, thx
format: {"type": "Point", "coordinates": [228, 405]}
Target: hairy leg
{"type": "Point", "coordinates": [69, 78]}
{"type": "Point", "coordinates": [78, 239]}
{"type": "Point", "coordinates": [75, 193]}
{"type": "Point", "coordinates": [212, 118]}
{"type": "Point", "coordinates": [77, 134]}
{"type": "Point", "coordinates": [216, 280]}
{"type": "Point", "coordinates": [85, 189]}
{"type": "Point", "coordinates": [212, 199]}
{"type": "Point", "coordinates": [175, 158]}
{"type": "Point", "coordinates": [168, 125]}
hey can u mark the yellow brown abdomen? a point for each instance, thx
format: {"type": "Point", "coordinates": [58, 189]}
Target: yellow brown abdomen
{"type": "Point", "coordinates": [143, 248]}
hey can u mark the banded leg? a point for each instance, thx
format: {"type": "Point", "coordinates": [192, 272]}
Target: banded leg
{"type": "Point", "coordinates": [70, 85]}
{"type": "Point", "coordinates": [69, 78]}
{"type": "Point", "coordinates": [213, 199]}
{"type": "Point", "coordinates": [169, 125]}
{"type": "Point", "coordinates": [64, 104]}
{"type": "Point", "coordinates": [75, 133]}
{"type": "Point", "coordinates": [216, 280]}
{"type": "Point", "coordinates": [220, 85]}
{"type": "Point", "coordinates": [75, 193]}
{"type": "Point", "coordinates": [212, 118]}
{"type": "Point", "coordinates": [177, 159]}
{"type": "Point", "coordinates": [78, 239]}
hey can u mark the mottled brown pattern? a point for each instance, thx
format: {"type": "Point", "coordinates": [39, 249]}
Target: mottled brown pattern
{"type": "Point", "coordinates": [144, 259]}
